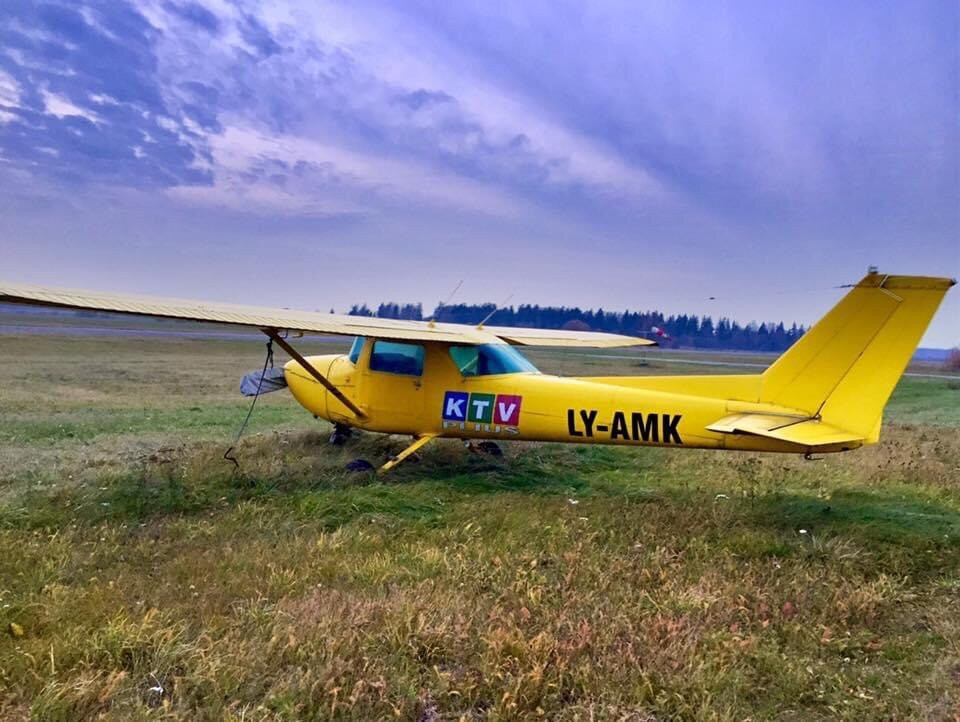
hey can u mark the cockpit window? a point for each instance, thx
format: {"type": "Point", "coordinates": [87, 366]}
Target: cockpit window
{"type": "Point", "coordinates": [489, 359]}
{"type": "Point", "coordinates": [397, 358]}
{"type": "Point", "coordinates": [355, 350]}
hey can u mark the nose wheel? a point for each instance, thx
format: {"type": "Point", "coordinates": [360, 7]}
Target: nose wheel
{"type": "Point", "coordinates": [341, 434]}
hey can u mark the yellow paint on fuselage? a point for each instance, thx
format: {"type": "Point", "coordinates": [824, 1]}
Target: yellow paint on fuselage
{"type": "Point", "coordinates": [552, 408]}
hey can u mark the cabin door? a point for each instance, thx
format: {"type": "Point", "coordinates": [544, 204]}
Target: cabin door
{"type": "Point", "coordinates": [393, 386]}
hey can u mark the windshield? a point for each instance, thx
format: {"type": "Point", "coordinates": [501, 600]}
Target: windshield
{"type": "Point", "coordinates": [355, 350]}
{"type": "Point", "coordinates": [489, 359]}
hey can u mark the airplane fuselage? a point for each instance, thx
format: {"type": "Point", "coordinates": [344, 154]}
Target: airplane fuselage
{"type": "Point", "coordinates": [654, 411]}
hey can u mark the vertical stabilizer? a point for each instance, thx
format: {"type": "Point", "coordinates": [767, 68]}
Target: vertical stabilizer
{"type": "Point", "coordinates": [845, 367]}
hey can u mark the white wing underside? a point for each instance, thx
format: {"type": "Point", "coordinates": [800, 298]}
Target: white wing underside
{"type": "Point", "coordinates": [307, 321]}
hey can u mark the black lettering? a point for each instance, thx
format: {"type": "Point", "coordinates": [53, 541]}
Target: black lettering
{"type": "Point", "coordinates": [645, 431]}
{"type": "Point", "coordinates": [572, 424]}
{"type": "Point", "coordinates": [670, 435]}
{"type": "Point", "coordinates": [619, 426]}
{"type": "Point", "coordinates": [588, 418]}
{"type": "Point", "coordinates": [602, 427]}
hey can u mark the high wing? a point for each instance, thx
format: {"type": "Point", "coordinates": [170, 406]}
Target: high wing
{"type": "Point", "coordinates": [305, 321]}
{"type": "Point", "coordinates": [558, 337]}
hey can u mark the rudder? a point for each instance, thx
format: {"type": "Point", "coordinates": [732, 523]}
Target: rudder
{"type": "Point", "coordinates": [845, 367]}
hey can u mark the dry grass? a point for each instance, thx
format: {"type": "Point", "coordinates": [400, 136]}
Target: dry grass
{"type": "Point", "coordinates": [151, 582]}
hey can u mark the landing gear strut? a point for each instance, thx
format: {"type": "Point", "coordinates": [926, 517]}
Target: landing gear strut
{"type": "Point", "coordinates": [418, 441]}
{"type": "Point", "coordinates": [410, 451]}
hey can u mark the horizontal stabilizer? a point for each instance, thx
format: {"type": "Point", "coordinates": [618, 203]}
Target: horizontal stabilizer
{"type": "Point", "coordinates": [800, 430]}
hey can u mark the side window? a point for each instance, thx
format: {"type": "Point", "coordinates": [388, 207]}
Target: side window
{"type": "Point", "coordinates": [356, 349]}
{"type": "Point", "coordinates": [489, 359]}
{"type": "Point", "coordinates": [397, 358]}
{"type": "Point", "coordinates": [465, 357]}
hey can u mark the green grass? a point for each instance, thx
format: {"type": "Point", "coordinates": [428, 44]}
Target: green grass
{"type": "Point", "coordinates": [37, 427]}
{"type": "Point", "coordinates": [933, 402]}
{"type": "Point", "coordinates": [561, 582]}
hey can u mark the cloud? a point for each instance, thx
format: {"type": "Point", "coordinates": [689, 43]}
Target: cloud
{"type": "Point", "coordinates": [258, 37]}
{"type": "Point", "coordinates": [60, 107]}
{"type": "Point", "coordinates": [621, 104]}
{"type": "Point", "coordinates": [183, 67]}
{"type": "Point", "coordinates": [91, 107]}
{"type": "Point", "coordinates": [259, 172]}
{"type": "Point", "coordinates": [9, 97]}
{"type": "Point", "coordinates": [419, 99]}
{"type": "Point", "coordinates": [9, 90]}
{"type": "Point", "coordinates": [720, 121]}
{"type": "Point", "coordinates": [465, 120]}
{"type": "Point", "coordinates": [195, 14]}
{"type": "Point", "coordinates": [743, 110]}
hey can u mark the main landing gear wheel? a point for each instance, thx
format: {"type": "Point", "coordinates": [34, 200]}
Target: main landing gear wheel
{"type": "Point", "coordinates": [490, 447]}
{"type": "Point", "coordinates": [359, 465]}
{"type": "Point", "coordinates": [340, 435]}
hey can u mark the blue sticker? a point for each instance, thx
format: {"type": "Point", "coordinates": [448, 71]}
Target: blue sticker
{"type": "Point", "coordinates": [455, 405]}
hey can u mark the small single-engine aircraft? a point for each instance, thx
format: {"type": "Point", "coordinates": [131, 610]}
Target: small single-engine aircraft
{"type": "Point", "coordinates": [431, 380]}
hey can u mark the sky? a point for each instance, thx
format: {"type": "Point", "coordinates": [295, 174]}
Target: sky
{"type": "Point", "coordinates": [740, 159]}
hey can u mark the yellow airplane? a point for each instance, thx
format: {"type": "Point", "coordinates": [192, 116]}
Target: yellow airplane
{"type": "Point", "coordinates": [431, 380]}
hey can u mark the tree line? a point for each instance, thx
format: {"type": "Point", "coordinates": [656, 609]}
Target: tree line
{"type": "Point", "coordinates": [684, 330]}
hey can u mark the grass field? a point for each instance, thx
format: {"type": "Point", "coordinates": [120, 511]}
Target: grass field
{"type": "Point", "coordinates": [141, 577]}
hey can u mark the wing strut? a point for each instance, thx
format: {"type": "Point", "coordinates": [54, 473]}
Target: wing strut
{"type": "Point", "coordinates": [295, 355]}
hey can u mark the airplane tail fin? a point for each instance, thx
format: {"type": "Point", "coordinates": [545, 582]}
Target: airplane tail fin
{"type": "Point", "coordinates": [845, 367]}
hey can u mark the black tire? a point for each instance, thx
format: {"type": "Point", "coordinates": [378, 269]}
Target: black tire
{"type": "Point", "coordinates": [490, 447]}
{"type": "Point", "coordinates": [359, 465]}
{"type": "Point", "coordinates": [341, 434]}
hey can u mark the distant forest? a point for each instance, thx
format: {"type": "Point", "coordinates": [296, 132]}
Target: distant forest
{"type": "Point", "coordinates": [686, 331]}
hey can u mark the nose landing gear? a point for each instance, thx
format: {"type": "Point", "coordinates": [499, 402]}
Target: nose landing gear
{"type": "Point", "coordinates": [341, 434]}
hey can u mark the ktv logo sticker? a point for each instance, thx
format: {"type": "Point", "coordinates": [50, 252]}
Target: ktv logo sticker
{"type": "Point", "coordinates": [488, 413]}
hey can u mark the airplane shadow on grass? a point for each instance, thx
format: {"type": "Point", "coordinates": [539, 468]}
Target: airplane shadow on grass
{"type": "Point", "coordinates": [869, 514]}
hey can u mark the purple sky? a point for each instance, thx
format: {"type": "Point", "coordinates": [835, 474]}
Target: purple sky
{"type": "Point", "coordinates": [618, 155]}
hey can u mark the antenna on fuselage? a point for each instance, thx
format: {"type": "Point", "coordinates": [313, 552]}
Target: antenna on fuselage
{"type": "Point", "coordinates": [433, 319]}
{"type": "Point", "coordinates": [497, 308]}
